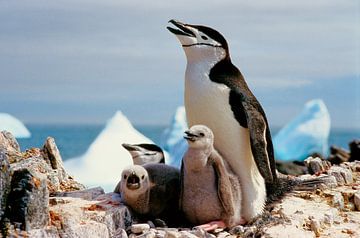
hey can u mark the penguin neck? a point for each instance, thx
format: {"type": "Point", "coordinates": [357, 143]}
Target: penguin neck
{"type": "Point", "coordinates": [205, 55]}
{"type": "Point", "coordinates": [196, 159]}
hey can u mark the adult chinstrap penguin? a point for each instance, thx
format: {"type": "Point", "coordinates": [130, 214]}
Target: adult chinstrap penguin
{"type": "Point", "coordinates": [145, 153]}
{"type": "Point", "coordinates": [216, 95]}
{"type": "Point", "coordinates": [210, 191]}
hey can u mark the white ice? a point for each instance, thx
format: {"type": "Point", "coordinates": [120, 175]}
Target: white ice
{"type": "Point", "coordinates": [307, 133]}
{"type": "Point", "coordinates": [105, 159]}
{"type": "Point", "coordinates": [13, 125]}
{"type": "Point", "coordinates": [172, 138]}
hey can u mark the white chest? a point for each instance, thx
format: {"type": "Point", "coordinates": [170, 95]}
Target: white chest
{"type": "Point", "coordinates": [207, 103]}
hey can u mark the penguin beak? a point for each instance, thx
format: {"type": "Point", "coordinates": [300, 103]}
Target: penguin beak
{"type": "Point", "coordinates": [133, 181]}
{"type": "Point", "coordinates": [129, 147]}
{"type": "Point", "coordinates": [190, 136]}
{"type": "Point", "coordinates": [182, 29]}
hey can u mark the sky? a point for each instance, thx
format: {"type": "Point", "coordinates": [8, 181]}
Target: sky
{"type": "Point", "coordinates": [77, 61]}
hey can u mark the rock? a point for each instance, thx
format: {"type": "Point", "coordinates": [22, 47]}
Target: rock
{"type": "Point", "coordinates": [140, 228]}
{"type": "Point", "coordinates": [148, 234]}
{"type": "Point", "coordinates": [5, 181]}
{"type": "Point", "coordinates": [338, 155]}
{"type": "Point", "coordinates": [338, 200]}
{"type": "Point", "coordinates": [354, 150]}
{"type": "Point", "coordinates": [291, 168]}
{"type": "Point", "coordinates": [317, 165]}
{"type": "Point", "coordinates": [315, 227]}
{"type": "Point", "coordinates": [87, 194]}
{"type": "Point", "coordinates": [120, 233]}
{"type": "Point", "coordinates": [342, 175]}
{"type": "Point", "coordinates": [173, 234]}
{"type": "Point", "coordinates": [9, 144]}
{"type": "Point", "coordinates": [357, 200]}
{"type": "Point", "coordinates": [223, 234]}
{"type": "Point", "coordinates": [187, 234]}
{"type": "Point", "coordinates": [12, 142]}
{"type": "Point", "coordinates": [28, 200]}
{"type": "Point", "coordinates": [51, 154]}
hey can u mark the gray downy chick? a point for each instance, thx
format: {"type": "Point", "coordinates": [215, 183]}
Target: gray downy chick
{"type": "Point", "coordinates": [210, 190]}
{"type": "Point", "coordinates": [145, 153]}
{"type": "Point", "coordinates": [151, 191]}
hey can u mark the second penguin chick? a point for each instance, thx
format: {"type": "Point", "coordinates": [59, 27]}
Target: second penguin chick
{"type": "Point", "coordinates": [145, 153]}
{"type": "Point", "coordinates": [152, 191]}
{"type": "Point", "coordinates": [210, 190]}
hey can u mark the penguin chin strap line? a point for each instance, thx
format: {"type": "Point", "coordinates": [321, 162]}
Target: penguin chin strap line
{"type": "Point", "coordinates": [201, 44]}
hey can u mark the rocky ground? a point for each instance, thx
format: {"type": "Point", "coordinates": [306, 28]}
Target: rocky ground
{"type": "Point", "coordinates": [39, 199]}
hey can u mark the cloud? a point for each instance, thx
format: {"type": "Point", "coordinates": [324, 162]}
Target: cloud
{"type": "Point", "coordinates": [114, 52]}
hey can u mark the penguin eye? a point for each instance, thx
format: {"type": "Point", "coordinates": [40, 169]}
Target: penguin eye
{"type": "Point", "coordinates": [125, 176]}
{"type": "Point", "coordinates": [202, 134]}
{"type": "Point", "coordinates": [204, 37]}
{"type": "Point", "coordinates": [142, 177]}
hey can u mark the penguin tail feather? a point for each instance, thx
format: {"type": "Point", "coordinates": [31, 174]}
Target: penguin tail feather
{"type": "Point", "coordinates": [286, 185]}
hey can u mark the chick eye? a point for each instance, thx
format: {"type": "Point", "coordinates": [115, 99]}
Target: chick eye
{"type": "Point", "coordinates": [204, 37]}
{"type": "Point", "coordinates": [125, 176]}
{"type": "Point", "coordinates": [142, 177]}
{"type": "Point", "coordinates": [202, 134]}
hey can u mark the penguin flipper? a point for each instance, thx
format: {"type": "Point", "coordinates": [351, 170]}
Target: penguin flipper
{"type": "Point", "coordinates": [181, 185]}
{"type": "Point", "coordinates": [224, 187]}
{"type": "Point", "coordinates": [260, 141]}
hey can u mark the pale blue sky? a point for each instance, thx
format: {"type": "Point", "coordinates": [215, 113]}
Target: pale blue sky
{"type": "Point", "coordinates": [77, 61]}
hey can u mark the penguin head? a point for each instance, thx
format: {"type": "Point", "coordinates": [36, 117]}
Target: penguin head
{"type": "Point", "coordinates": [200, 42]}
{"type": "Point", "coordinates": [199, 137]}
{"type": "Point", "coordinates": [134, 180]}
{"type": "Point", "coordinates": [145, 153]}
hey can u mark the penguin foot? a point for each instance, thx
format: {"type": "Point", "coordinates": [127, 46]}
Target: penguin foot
{"type": "Point", "coordinates": [242, 221]}
{"type": "Point", "coordinates": [212, 226]}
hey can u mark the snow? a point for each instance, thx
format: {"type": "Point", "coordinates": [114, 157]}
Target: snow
{"type": "Point", "coordinates": [103, 162]}
{"type": "Point", "coordinates": [15, 126]}
{"type": "Point", "coordinates": [172, 139]}
{"type": "Point", "coordinates": [307, 133]}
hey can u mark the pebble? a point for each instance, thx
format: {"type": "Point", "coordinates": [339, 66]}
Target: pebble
{"type": "Point", "coordinates": [315, 227]}
{"type": "Point", "coordinates": [149, 234]}
{"type": "Point", "coordinates": [223, 234]}
{"type": "Point", "coordinates": [357, 200]}
{"type": "Point", "coordinates": [172, 234]}
{"type": "Point", "coordinates": [186, 234]}
{"type": "Point", "coordinates": [338, 200]}
{"type": "Point", "coordinates": [317, 165]}
{"type": "Point", "coordinates": [140, 228]}
{"type": "Point", "coordinates": [120, 233]}
{"type": "Point", "coordinates": [342, 175]}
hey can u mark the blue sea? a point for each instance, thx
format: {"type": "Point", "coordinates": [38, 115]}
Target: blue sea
{"type": "Point", "coordinates": [73, 140]}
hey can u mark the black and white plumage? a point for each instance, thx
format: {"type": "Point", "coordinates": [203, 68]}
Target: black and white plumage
{"type": "Point", "coordinates": [145, 153]}
{"type": "Point", "coordinates": [216, 95]}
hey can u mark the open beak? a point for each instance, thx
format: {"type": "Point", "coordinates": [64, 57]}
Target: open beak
{"type": "Point", "coordinates": [133, 181]}
{"type": "Point", "coordinates": [130, 147]}
{"type": "Point", "coordinates": [181, 29]}
{"type": "Point", "coordinates": [190, 136]}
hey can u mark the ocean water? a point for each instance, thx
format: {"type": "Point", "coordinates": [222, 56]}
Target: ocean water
{"type": "Point", "coordinates": [73, 140]}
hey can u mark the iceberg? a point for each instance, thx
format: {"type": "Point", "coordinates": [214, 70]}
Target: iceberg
{"type": "Point", "coordinates": [15, 126]}
{"type": "Point", "coordinates": [172, 139]}
{"type": "Point", "coordinates": [307, 133]}
{"type": "Point", "coordinates": [103, 162]}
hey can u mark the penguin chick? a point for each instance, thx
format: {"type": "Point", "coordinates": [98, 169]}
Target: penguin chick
{"type": "Point", "coordinates": [145, 153]}
{"type": "Point", "coordinates": [152, 191]}
{"type": "Point", "coordinates": [210, 190]}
